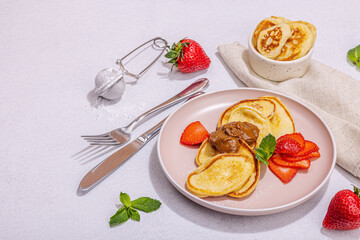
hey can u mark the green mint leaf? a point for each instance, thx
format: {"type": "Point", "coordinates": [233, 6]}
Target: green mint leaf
{"type": "Point", "coordinates": [354, 54]}
{"type": "Point", "coordinates": [266, 149]}
{"type": "Point", "coordinates": [351, 54]}
{"type": "Point", "coordinates": [261, 159]}
{"type": "Point", "coordinates": [268, 144]}
{"type": "Point", "coordinates": [261, 153]}
{"type": "Point", "coordinates": [134, 214]}
{"type": "Point", "coordinates": [261, 156]}
{"type": "Point", "coordinates": [146, 204]}
{"type": "Point", "coordinates": [125, 199]}
{"type": "Point", "coordinates": [119, 217]}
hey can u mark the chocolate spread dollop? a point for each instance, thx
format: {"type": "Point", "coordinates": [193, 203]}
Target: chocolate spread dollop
{"type": "Point", "coordinates": [226, 138]}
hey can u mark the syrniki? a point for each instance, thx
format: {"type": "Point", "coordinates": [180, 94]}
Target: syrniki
{"type": "Point", "coordinates": [226, 160]}
{"type": "Point", "coordinates": [206, 152]}
{"type": "Point", "coordinates": [271, 40]}
{"type": "Point", "coordinates": [221, 175]}
{"type": "Point", "coordinates": [298, 44]}
{"type": "Point", "coordinates": [312, 28]}
{"type": "Point", "coordinates": [282, 123]}
{"type": "Point", "coordinates": [265, 24]}
{"type": "Point", "coordinates": [264, 106]}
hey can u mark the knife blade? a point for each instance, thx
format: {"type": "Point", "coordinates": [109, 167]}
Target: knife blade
{"type": "Point", "coordinates": [110, 164]}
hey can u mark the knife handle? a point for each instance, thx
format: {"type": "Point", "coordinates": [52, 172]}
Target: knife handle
{"type": "Point", "coordinates": [152, 132]}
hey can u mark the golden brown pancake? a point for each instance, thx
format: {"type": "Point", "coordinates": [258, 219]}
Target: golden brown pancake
{"type": "Point", "coordinates": [265, 106]}
{"type": "Point", "coordinates": [220, 175]}
{"type": "Point", "coordinates": [312, 28]}
{"type": "Point", "coordinates": [282, 123]}
{"type": "Point", "coordinates": [298, 44]}
{"type": "Point", "coordinates": [250, 185]}
{"type": "Point", "coordinates": [237, 174]}
{"type": "Point", "coordinates": [271, 40]}
{"type": "Point", "coordinates": [265, 24]}
{"type": "Point", "coordinates": [206, 151]}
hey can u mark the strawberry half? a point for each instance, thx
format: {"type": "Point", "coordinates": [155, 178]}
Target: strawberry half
{"type": "Point", "coordinates": [279, 160]}
{"type": "Point", "coordinates": [194, 133]}
{"type": "Point", "coordinates": [311, 156]}
{"type": "Point", "coordinates": [285, 174]}
{"type": "Point", "coordinates": [344, 211]}
{"type": "Point", "coordinates": [188, 56]}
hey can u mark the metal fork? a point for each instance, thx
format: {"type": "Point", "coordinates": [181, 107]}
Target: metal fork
{"type": "Point", "coordinates": [122, 135]}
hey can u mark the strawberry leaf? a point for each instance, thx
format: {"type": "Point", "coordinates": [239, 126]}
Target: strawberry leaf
{"type": "Point", "coordinates": [356, 191]}
{"type": "Point", "coordinates": [171, 54]}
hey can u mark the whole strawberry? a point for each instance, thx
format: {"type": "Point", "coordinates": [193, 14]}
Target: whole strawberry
{"type": "Point", "coordinates": [188, 56]}
{"type": "Point", "coordinates": [344, 211]}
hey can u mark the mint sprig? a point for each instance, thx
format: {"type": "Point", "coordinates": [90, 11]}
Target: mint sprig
{"type": "Point", "coordinates": [144, 204]}
{"type": "Point", "coordinates": [266, 149]}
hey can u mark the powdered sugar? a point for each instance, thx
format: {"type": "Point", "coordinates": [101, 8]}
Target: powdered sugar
{"type": "Point", "coordinates": [111, 109]}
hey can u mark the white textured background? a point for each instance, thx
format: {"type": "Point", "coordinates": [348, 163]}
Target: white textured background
{"type": "Point", "coordinates": [50, 52]}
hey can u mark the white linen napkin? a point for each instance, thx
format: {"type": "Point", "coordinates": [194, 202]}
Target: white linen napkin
{"type": "Point", "coordinates": [332, 94]}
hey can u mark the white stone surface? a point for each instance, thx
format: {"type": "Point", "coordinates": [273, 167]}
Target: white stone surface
{"type": "Point", "coordinates": [50, 52]}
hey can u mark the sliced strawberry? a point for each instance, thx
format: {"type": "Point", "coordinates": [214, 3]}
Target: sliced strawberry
{"type": "Point", "coordinates": [194, 133]}
{"type": "Point", "coordinates": [309, 148]}
{"type": "Point", "coordinates": [285, 174]}
{"type": "Point", "coordinates": [279, 160]}
{"type": "Point", "coordinates": [296, 136]}
{"type": "Point", "coordinates": [311, 156]}
{"type": "Point", "coordinates": [287, 145]}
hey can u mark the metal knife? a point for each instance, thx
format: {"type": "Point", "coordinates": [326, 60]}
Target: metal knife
{"type": "Point", "coordinates": [109, 165]}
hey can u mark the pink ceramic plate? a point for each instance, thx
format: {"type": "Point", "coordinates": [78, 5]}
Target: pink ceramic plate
{"type": "Point", "coordinates": [270, 195]}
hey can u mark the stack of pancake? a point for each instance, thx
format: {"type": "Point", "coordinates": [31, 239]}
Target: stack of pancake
{"type": "Point", "coordinates": [236, 174]}
{"type": "Point", "coordinates": [281, 39]}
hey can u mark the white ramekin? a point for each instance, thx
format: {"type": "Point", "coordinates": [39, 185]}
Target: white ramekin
{"type": "Point", "coordinates": [278, 70]}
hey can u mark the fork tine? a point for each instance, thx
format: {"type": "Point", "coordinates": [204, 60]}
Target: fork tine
{"type": "Point", "coordinates": [103, 141]}
{"type": "Point", "coordinates": [94, 136]}
{"type": "Point", "coordinates": [105, 144]}
{"type": "Point", "coordinates": [99, 138]}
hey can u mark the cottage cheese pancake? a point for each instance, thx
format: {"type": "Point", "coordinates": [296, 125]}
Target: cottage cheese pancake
{"type": "Point", "coordinates": [271, 40]}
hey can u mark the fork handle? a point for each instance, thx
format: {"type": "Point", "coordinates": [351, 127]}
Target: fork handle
{"type": "Point", "coordinates": [152, 132]}
{"type": "Point", "coordinates": [187, 92]}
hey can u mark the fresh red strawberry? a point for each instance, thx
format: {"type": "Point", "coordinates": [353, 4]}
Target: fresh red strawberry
{"type": "Point", "coordinates": [194, 133]}
{"type": "Point", "coordinates": [279, 160]}
{"type": "Point", "coordinates": [309, 148]}
{"type": "Point", "coordinates": [344, 211]}
{"type": "Point", "coordinates": [296, 136]}
{"type": "Point", "coordinates": [287, 145]}
{"type": "Point", "coordinates": [285, 174]}
{"type": "Point", "coordinates": [311, 156]}
{"type": "Point", "coordinates": [188, 56]}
